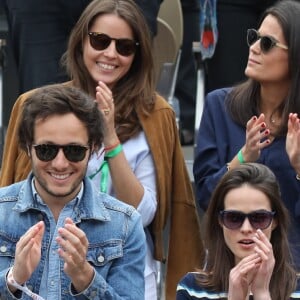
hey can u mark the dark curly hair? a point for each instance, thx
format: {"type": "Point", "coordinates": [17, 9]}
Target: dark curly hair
{"type": "Point", "coordinates": [58, 99]}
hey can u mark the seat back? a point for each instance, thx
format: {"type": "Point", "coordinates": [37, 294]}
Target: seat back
{"type": "Point", "coordinates": [167, 50]}
{"type": "Point", "coordinates": [170, 11]}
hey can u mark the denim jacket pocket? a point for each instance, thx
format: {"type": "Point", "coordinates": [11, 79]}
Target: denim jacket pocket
{"type": "Point", "coordinates": [101, 254]}
{"type": "Point", "coordinates": [7, 251]}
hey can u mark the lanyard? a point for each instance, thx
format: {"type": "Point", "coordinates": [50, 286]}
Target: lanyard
{"type": "Point", "coordinates": [105, 168]}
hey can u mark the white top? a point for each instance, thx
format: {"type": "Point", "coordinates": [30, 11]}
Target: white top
{"type": "Point", "coordinates": [138, 155]}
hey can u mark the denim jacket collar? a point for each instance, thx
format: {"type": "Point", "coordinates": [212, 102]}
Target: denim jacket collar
{"type": "Point", "coordinates": [85, 209]}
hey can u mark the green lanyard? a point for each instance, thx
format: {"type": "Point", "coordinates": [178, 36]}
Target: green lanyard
{"type": "Point", "coordinates": [105, 168]}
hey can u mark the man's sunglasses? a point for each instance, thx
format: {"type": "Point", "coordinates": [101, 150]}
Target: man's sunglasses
{"type": "Point", "coordinates": [73, 153]}
{"type": "Point", "coordinates": [100, 41]}
{"type": "Point", "coordinates": [234, 219]}
{"type": "Point", "coordinates": [266, 42]}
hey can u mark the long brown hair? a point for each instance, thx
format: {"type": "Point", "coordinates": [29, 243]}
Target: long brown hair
{"type": "Point", "coordinates": [136, 90]}
{"type": "Point", "coordinates": [220, 260]}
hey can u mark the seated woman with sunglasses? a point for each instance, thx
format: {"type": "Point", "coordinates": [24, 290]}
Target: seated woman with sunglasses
{"type": "Point", "coordinates": [109, 56]}
{"type": "Point", "coordinates": [258, 120]}
{"type": "Point", "coordinates": [248, 254]}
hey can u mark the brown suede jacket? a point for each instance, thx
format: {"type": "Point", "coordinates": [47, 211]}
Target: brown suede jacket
{"type": "Point", "coordinates": [179, 244]}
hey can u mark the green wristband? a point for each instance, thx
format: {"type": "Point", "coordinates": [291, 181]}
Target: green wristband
{"type": "Point", "coordinates": [240, 157]}
{"type": "Point", "coordinates": [114, 152]}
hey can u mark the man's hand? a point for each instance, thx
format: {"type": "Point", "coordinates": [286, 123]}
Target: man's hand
{"type": "Point", "coordinates": [74, 246]}
{"type": "Point", "coordinates": [28, 253]}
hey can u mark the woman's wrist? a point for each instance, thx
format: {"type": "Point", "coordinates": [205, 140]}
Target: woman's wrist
{"type": "Point", "coordinates": [109, 141]}
{"type": "Point", "coordinates": [111, 147]}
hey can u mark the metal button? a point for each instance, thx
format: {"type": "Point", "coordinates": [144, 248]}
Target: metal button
{"type": "Point", "coordinates": [101, 258]}
{"type": "Point", "coordinates": [3, 249]}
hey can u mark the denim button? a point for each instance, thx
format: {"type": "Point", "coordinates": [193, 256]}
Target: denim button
{"type": "Point", "coordinates": [3, 249]}
{"type": "Point", "coordinates": [100, 258]}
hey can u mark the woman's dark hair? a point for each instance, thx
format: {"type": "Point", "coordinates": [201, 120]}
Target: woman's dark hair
{"type": "Point", "coordinates": [220, 259]}
{"type": "Point", "coordinates": [60, 99]}
{"type": "Point", "coordinates": [136, 90]}
{"type": "Point", "coordinates": [243, 101]}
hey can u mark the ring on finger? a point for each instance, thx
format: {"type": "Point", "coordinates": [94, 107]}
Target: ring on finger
{"type": "Point", "coordinates": [106, 111]}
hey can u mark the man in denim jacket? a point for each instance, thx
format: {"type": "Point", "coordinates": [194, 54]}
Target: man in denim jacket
{"type": "Point", "coordinates": [59, 238]}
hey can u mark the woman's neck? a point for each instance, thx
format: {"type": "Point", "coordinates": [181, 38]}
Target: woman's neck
{"type": "Point", "coordinates": [271, 98]}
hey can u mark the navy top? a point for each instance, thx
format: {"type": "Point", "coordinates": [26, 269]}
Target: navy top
{"type": "Point", "coordinates": [219, 140]}
{"type": "Point", "coordinates": [189, 289]}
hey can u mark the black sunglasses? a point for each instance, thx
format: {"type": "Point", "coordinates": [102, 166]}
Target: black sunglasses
{"type": "Point", "coordinates": [266, 42]}
{"type": "Point", "coordinates": [73, 153]}
{"type": "Point", "coordinates": [234, 219]}
{"type": "Point", "coordinates": [100, 41]}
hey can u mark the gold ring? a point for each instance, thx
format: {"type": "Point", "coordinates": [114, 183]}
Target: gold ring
{"type": "Point", "coordinates": [106, 111]}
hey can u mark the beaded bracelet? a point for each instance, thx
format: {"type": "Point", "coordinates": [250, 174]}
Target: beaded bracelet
{"type": "Point", "coordinates": [23, 288]}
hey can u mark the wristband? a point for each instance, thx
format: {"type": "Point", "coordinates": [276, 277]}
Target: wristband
{"type": "Point", "coordinates": [114, 152]}
{"type": "Point", "coordinates": [298, 177]}
{"type": "Point", "coordinates": [23, 288]}
{"type": "Point", "coordinates": [240, 157]}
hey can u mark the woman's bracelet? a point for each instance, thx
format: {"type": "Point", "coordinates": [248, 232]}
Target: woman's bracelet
{"type": "Point", "coordinates": [106, 149]}
{"type": "Point", "coordinates": [11, 281]}
{"type": "Point", "coordinates": [113, 152]}
{"type": "Point", "coordinates": [240, 157]}
{"type": "Point", "coordinates": [298, 177]}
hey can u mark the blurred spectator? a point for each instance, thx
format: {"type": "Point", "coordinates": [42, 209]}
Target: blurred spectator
{"type": "Point", "coordinates": [186, 84]}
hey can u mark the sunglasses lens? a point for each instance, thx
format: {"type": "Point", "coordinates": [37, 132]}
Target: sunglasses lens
{"type": "Point", "coordinates": [266, 44]}
{"type": "Point", "coordinates": [261, 220]}
{"type": "Point", "coordinates": [125, 47]}
{"type": "Point", "coordinates": [232, 219]}
{"type": "Point", "coordinates": [46, 152]}
{"type": "Point", "coordinates": [99, 41]}
{"type": "Point", "coordinates": [252, 36]}
{"type": "Point", "coordinates": [74, 153]}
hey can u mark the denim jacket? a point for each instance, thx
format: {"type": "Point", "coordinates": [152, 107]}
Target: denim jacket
{"type": "Point", "coordinates": [114, 230]}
